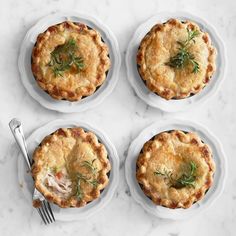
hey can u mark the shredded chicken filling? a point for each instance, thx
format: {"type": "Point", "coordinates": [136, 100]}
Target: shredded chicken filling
{"type": "Point", "coordinates": [62, 185]}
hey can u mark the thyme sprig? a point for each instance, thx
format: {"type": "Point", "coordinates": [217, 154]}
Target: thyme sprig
{"type": "Point", "coordinates": [90, 166]}
{"type": "Point", "coordinates": [93, 182]}
{"type": "Point", "coordinates": [185, 180]}
{"type": "Point", "coordinates": [79, 192]}
{"type": "Point", "coordinates": [64, 56]}
{"type": "Point", "coordinates": [184, 57]}
{"type": "Point", "coordinates": [166, 174]}
{"type": "Point", "coordinates": [81, 177]}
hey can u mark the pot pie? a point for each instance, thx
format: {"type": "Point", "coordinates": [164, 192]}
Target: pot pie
{"type": "Point", "coordinates": [70, 167]}
{"type": "Point", "coordinates": [70, 61]}
{"type": "Point", "coordinates": [175, 169]}
{"type": "Point", "coordinates": [176, 59]}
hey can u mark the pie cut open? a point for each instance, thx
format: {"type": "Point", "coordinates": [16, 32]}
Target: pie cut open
{"type": "Point", "coordinates": [71, 167]}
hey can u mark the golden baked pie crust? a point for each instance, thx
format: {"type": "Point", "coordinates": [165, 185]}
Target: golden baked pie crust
{"type": "Point", "coordinates": [67, 149]}
{"type": "Point", "coordinates": [159, 45]}
{"type": "Point", "coordinates": [72, 86]}
{"type": "Point", "coordinates": [170, 150]}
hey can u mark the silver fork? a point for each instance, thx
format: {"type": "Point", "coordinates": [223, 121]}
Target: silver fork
{"type": "Point", "coordinates": [44, 210]}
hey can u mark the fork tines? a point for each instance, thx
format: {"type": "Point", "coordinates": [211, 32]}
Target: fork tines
{"type": "Point", "coordinates": [46, 213]}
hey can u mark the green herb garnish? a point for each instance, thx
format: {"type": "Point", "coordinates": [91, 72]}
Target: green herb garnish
{"type": "Point", "coordinates": [80, 177]}
{"type": "Point", "coordinates": [79, 192]}
{"type": "Point", "coordinates": [63, 57]}
{"type": "Point", "coordinates": [184, 57]}
{"type": "Point", "coordinates": [166, 174]}
{"type": "Point", "coordinates": [56, 169]}
{"type": "Point", "coordinates": [93, 182]}
{"type": "Point", "coordinates": [185, 180]}
{"type": "Point", "coordinates": [90, 165]}
{"type": "Point", "coordinates": [87, 180]}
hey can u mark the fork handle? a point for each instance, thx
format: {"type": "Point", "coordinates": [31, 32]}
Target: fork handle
{"type": "Point", "coordinates": [17, 131]}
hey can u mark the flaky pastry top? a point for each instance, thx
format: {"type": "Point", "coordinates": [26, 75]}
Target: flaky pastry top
{"type": "Point", "coordinates": [160, 44]}
{"type": "Point", "coordinates": [72, 85]}
{"type": "Point", "coordinates": [167, 159]}
{"type": "Point", "coordinates": [70, 167]}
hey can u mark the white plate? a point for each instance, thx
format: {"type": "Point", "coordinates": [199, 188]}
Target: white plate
{"type": "Point", "coordinates": [28, 80]}
{"type": "Point", "coordinates": [70, 214]}
{"type": "Point", "coordinates": [182, 104]}
{"type": "Point", "coordinates": [213, 192]}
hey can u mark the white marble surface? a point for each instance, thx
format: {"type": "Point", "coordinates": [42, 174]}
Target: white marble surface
{"type": "Point", "coordinates": [122, 116]}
